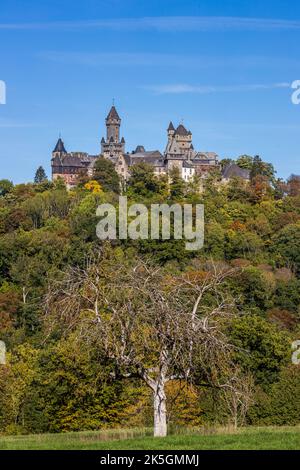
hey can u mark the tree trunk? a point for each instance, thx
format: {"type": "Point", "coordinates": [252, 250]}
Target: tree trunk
{"type": "Point", "coordinates": [160, 411]}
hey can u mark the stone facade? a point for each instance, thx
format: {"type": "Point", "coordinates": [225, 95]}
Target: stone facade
{"type": "Point", "coordinates": [179, 153]}
{"type": "Point", "coordinates": [112, 147]}
{"type": "Point", "coordinates": [69, 166]}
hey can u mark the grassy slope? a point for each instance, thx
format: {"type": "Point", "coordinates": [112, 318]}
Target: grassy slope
{"type": "Point", "coordinates": [251, 438]}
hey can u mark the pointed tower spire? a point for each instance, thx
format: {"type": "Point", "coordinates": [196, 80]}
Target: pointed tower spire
{"type": "Point", "coordinates": [112, 146]}
{"type": "Point", "coordinates": [113, 115]}
{"type": "Point", "coordinates": [59, 147]}
{"type": "Point", "coordinates": [181, 130]}
{"type": "Point", "coordinates": [171, 127]}
{"type": "Point", "coordinates": [113, 122]}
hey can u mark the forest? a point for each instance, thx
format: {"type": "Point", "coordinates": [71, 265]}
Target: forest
{"type": "Point", "coordinates": [104, 334]}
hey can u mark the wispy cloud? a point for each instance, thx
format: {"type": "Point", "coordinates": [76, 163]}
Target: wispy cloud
{"type": "Point", "coordinates": [116, 59]}
{"type": "Point", "coordinates": [165, 24]}
{"type": "Point", "coordinates": [12, 124]}
{"type": "Point", "coordinates": [206, 89]}
{"type": "Point", "coordinates": [123, 59]}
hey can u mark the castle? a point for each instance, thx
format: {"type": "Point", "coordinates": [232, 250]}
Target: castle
{"type": "Point", "coordinates": [179, 153]}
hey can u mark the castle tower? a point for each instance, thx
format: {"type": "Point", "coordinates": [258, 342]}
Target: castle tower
{"type": "Point", "coordinates": [59, 149]}
{"type": "Point", "coordinates": [59, 156]}
{"type": "Point", "coordinates": [179, 146]}
{"type": "Point", "coordinates": [113, 123]}
{"type": "Point", "coordinates": [183, 140]}
{"type": "Point", "coordinates": [112, 147]}
{"type": "Point", "coordinates": [171, 131]}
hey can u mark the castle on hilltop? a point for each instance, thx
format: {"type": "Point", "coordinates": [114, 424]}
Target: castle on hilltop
{"type": "Point", "coordinates": [179, 153]}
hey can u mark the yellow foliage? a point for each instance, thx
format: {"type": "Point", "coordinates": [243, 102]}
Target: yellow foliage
{"type": "Point", "coordinates": [183, 404]}
{"type": "Point", "coordinates": [15, 380]}
{"type": "Point", "coordinates": [94, 187]}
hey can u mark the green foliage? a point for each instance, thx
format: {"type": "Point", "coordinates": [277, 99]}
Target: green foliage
{"type": "Point", "coordinates": [280, 405]}
{"type": "Point", "coordinates": [238, 190]}
{"type": "Point", "coordinates": [6, 186]}
{"type": "Point", "coordinates": [46, 204]}
{"type": "Point", "coordinates": [40, 175]}
{"type": "Point", "coordinates": [260, 168]}
{"type": "Point", "coordinates": [106, 175]}
{"type": "Point", "coordinates": [226, 161]}
{"type": "Point", "coordinates": [143, 182]}
{"type": "Point", "coordinates": [16, 378]}
{"type": "Point", "coordinates": [75, 391]}
{"type": "Point", "coordinates": [257, 288]}
{"type": "Point", "coordinates": [215, 240]}
{"type": "Point", "coordinates": [45, 229]}
{"type": "Point", "coordinates": [163, 251]}
{"type": "Point", "coordinates": [177, 185]}
{"type": "Point", "coordinates": [212, 438]}
{"type": "Point", "coordinates": [287, 295]}
{"type": "Point", "coordinates": [245, 162]}
{"type": "Point", "coordinates": [287, 245]}
{"type": "Point", "coordinates": [83, 218]}
{"type": "Point", "coordinates": [261, 348]}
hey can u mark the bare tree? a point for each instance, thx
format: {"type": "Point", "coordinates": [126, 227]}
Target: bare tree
{"type": "Point", "coordinates": [238, 396]}
{"type": "Point", "coordinates": [152, 325]}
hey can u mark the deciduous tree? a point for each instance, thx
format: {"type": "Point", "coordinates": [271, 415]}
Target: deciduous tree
{"type": "Point", "coordinates": [151, 326]}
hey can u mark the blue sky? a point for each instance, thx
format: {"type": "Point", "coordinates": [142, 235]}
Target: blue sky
{"type": "Point", "coordinates": [223, 67]}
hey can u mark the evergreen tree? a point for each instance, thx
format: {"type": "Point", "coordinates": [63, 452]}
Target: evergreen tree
{"type": "Point", "coordinates": [40, 175]}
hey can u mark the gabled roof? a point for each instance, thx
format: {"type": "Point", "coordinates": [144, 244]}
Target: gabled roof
{"type": "Point", "coordinates": [59, 147]}
{"type": "Point", "coordinates": [181, 130]}
{"type": "Point", "coordinates": [113, 114]}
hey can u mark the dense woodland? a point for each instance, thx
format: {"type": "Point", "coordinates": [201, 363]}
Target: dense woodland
{"type": "Point", "coordinates": [84, 328]}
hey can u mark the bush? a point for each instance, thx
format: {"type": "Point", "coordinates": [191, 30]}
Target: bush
{"type": "Point", "coordinates": [281, 406]}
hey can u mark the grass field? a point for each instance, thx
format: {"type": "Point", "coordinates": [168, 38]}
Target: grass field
{"type": "Point", "coordinates": [272, 438]}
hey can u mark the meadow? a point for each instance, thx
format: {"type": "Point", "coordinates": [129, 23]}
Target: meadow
{"type": "Point", "coordinates": [264, 438]}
